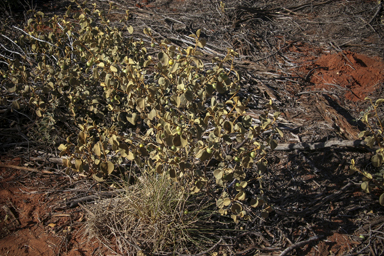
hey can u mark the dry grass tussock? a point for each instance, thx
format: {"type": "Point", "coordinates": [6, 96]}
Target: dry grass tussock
{"type": "Point", "coordinates": [156, 216]}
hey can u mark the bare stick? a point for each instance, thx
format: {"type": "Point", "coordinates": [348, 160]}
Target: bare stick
{"type": "Point", "coordinates": [24, 168]}
{"type": "Point", "coordinates": [299, 244]}
{"type": "Point", "coordinates": [15, 44]}
{"type": "Point", "coordinates": [376, 13]}
{"type": "Point", "coordinates": [321, 145]}
{"type": "Point", "coordinates": [37, 39]}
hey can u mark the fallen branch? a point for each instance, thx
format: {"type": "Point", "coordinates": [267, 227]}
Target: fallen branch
{"type": "Point", "coordinates": [322, 145]}
{"type": "Point", "coordinates": [107, 194]}
{"type": "Point", "coordinates": [299, 244]}
{"type": "Point", "coordinates": [24, 168]}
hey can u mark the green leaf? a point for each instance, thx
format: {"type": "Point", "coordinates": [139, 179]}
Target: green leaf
{"type": "Point", "coordinates": [198, 32]}
{"type": "Point", "coordinates": [130, 156]}
{"type": "Point", "coordinates": [280, 132]}
{"type": "Point", "coordinates": [200, 184]}
{"type": "Point", "coordinates": [364, 134]}
{"type": "Point", "coordinates": [40, 13]}
{"type": "Point", "coordinates": [66, 162]}
{"type": "Point", "coordinates": [152, 114]}
{"type": "Point", "coordinates": [189, 95]}
{"type": "Point", "coordinates": [228, 126]}
{"type": "Point", "coordinates": [241, 196]}
{"type": "Point", "coordinates": [62, 147]}
{"type": "Point", "coordinates": [130, 29]}
{"type": "Point", "coordinates": [218, 173]}
{"type": "Point", "coordinates": [97, 177]}
{"type": "Point", "coordinates": [174, 68]}
{"type": "Point", "coordinates": [143, 152]}
{"type": "Point", "coordinates": [266, 123]}
{"type": "Point", "coordinates": [184, 165]}
{"type": "Point", "coordinates": [256, 202]}
{"type": "Point", "coordinates": [184, 141]}
{"type": "Point", "coordinates": [200, 153]}
{"type": "Point", "coordinates": [377, 160]}
{"type": "Point", "coordinates": [370, 140]}
{"type": "Point", "coordinates": [379, 101]}
{"type": "Point", "coordinates": [113, 69]}
{"type": "Point", "coordinates": [111, 167]}
{"type": "Point", "coordinates": [123, 149]}
{"type": "Point", "coordinates": [262, 166]}
{"type": "Point", "coordinates": [221, 88]}
{"type": "Point", "coordinates": [132, 118]}
{"type": "Point", "coordinates": [108, 79]}
{"type": "Point", "coordinates": [140, 104]}
{"type": "Point", "coordinates": [272, 144]}
{"type": "Point", "coordinates": [381, 199]}
{"type": "Point", "coordinates": [172, 173]}
{"type": "Point", "coordinates": [365, 186]}
{"type": "Point", "coordinates": [96, 149]}
{"type": "Point", "coordinates": [163, 57]}
{"type": "Point", "coordinates": [176, 141]}
{"type": "Point", "coordinates": [269, 209]}
{"type": "Point", "coordinates": [162, 81]}
{"type": "Point", "coordinates": [198, 62]}
{"type": "Point", "coordinates": [243, 184]}
{"type": "Point", "coordinates": [236, 208]}
{"type": "Point", "coordinates": [147, 31]}
{"type": "Point", "coordinates": [201, 43]}
{"type": "Point", "coordinates": [38, 113]}
{"type": "Point", "coordinates": [226, 201]}
{"type": "Point", "coordinates": [178, 102]}
{"type": "Point", "coordinates": [159, 168]}
{"type": "Point", "coordinates": [79, 165]}
{"type": "Point", "coordinates": [190, 49]}
{"type": "Point", "coordinates": [73, 81]}
{"type": "Point", "coordinates": [222, 202]}
{"type": "Point", "coordinates": [13, 89]}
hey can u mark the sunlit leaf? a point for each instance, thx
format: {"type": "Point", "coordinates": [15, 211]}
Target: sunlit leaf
{"type": "Point", "coordinates": [130, 30]}
{"type": "Point", "coordinates": [381, 199]}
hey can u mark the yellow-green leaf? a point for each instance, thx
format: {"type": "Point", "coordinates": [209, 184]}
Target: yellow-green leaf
{"type": "Point", "coordinates": [113, 69]}
{"type": "Point", "coordinates": [130, 156]}
{"type": "Point", "coordinates": [96, 149]}
{"type": "Point", "coordinates": [381, 199]}
{"type": "Point", "coordinates": [236, 208]}
{"type": "Point", "coordinates": [226, 201]}
{"type": "Point", "coordinates": [256, 202]}
{"type": "Point", "coordinates": [111, 167]}
{"type": "Point", "coordinates": [62, 147]}
{"type": "Point", "coordinates": [241, 196]}
{"type": "Point", "coordinates": [130, 29]}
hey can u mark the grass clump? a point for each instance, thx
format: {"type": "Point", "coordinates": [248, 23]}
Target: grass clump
{"type": "Point", "coordinates": [155, 215]}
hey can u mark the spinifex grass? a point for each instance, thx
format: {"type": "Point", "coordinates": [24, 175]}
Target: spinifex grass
{"type": "Point", "coordinates": [155, 215]}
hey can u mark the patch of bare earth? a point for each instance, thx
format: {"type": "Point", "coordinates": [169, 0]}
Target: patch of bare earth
{"type": "Point", "coordinates": [32, 220]}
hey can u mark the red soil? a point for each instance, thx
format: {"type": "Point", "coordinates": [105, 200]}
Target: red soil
{"type": "Point", "coordinates": [36, 228]}
{"type": "Point", "coordinates": [356, 74]}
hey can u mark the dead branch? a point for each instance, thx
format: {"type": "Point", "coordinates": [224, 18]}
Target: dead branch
{"type": "Point", "coordinates": [106, 194]}
{"type": "Point", "coordinates": [322, 145]}
{"type": "Point", "coordinates": [299, 244]}
{"type": "Point", "coordinates": [24, 168]}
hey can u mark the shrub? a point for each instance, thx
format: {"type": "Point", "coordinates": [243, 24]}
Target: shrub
{"type": "Point", "coordinates": [116, 102]}
{"type": "Point", "coordinates": [373, 135]}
